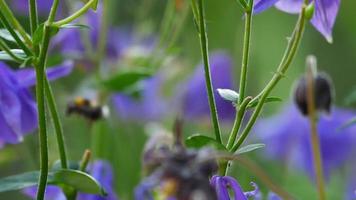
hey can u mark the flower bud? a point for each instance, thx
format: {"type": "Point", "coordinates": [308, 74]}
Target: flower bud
{"type": "Point", "coordinates": [322, 87]}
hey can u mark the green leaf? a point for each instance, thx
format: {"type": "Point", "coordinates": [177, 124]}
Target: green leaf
{"type": "Point", "coordinates": [79, 26]}
{"type": "Point", "coordinates": [26, 62]}
{"type": "Point", "coordinates": [249, 148]}
{"type": "Point", "coordinates": [18, 52]}
{"type": "Point", "coordinates": [78, 180]}
{"type": "Point", "coordinates": [229, 95]}
{"type": "Point", "coordinates": [198, 141]}
{"type": "Point", "coordinates": [18, 182]}
{"type": "Point", "coordinates": [5, 34]}
{"type": "Point", "coordinates": [268, 100]}
{"type": "Point", "coordinates": [125, 79]}
{"type": "Point", "coordinates": [38, 34]}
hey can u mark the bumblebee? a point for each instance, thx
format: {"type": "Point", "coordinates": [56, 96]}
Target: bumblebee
{"type": "Point", "coordinates": [89, 109]}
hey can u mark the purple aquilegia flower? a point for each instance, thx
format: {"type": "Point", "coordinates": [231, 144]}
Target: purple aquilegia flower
{"type": "Point", "coordinates": [223, 183]}
{"type": "Point", "coordinates": [18, 112]}
{"type": "Point", "coordinates": [150, 106]}
{"type": "Point", "coordinates": [195, 100]}
{"type": "Point", "coordinates": [100, 170]}
{"type": "Point", "coordinates": [324, 15]}
{"type": "Point", "coordinates": [287, 138]}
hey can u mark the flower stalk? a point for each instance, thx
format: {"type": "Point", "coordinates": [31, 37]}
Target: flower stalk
{"type": "Point", "coordinates": [315, 142]}
{"type": "Point", "coordinates": [284, 65]}
{"type": "Point", "coordinates": [204, 50]}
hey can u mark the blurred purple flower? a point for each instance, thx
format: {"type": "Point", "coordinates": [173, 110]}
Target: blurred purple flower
{"type": "Point", "coordinates": [222, 184]}
{"type": "Point", "coordinates": [43, 6]}
{"type": "Point", "coordinates": [150, 106]}
{"type": "Point", "coordinates": [100, 170]}
{"type": "Point", "coordinates": [324, 15]}
{"type": "Point", "coordinates": [195, 100]}
{"type": "Point", "coordinates": [287, 138]}
{"type": "Point", "coordinates": [18, 112]}
{"type": "Point", "coordinates": [119, 40]}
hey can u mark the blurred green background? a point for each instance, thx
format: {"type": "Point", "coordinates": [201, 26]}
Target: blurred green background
{"type": "Point", "coordinates": [121, 142]}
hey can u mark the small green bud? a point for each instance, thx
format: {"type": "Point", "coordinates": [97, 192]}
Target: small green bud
{"type": "Point", "coordinates": [309, 11]}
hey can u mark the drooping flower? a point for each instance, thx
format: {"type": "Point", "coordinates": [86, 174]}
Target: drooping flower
{"type": "Point", "coordinates": [100, 170]}
{"type": "Point", "coordinates": [222, 184]}
{"type": "Point", "coordinates": [287, 138]}
{"type": "Point", "coordinates": [323, 19]}
{"type": "Point", "coordinates": [195, 100]}
{"type": "Point", "coordinates": [18, 112]}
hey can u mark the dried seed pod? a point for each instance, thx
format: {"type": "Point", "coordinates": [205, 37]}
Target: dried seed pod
{"type": "Point", "coordinates": [323, 90]}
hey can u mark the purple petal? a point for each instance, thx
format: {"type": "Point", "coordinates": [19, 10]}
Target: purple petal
{"type": "Point", "coordinates": [290, 6]}
{"type": "Point", "coordinates": [27, 77]}
{"type": "Point", "coordinates": [287, 138]}
{"type": "Point", "coordinates": [52, 193]}
{"type": "Point", "coordinates": [325, 16]}
{"type": "Point", "coordinates": [28, 112]}
{"type": "Point", "coordinates": [195, 99]}
{"type": "Point", "coordinates": [262, 5]}
{"type": "Point", "coordinates": [238, 192]}
{"type": "Point", "coordinates": [149, 107]}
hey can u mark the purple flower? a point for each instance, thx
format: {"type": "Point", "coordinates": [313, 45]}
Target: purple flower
{"type": "Point", "coordinates": [287, 138]}
{"type": "Point", "coordinates": [222, 184]}
{"type": "Point", "coordinates": [324, 15]}
{"type": "Point", "coordinates": [18, 112]}
{"type": "Point", "coordinates": [21, 6]}
{"type": "Point", "coordinates": [194, 97]}
{"type": "Point", "coordinates": [100, 170]}
{"type": "Point", "coordinates": [150, 106]}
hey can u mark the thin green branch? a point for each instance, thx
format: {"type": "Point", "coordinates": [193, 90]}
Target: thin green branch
{"type": "Point", "coordinates": [32, 5]}
{"type": "Point", "coordinates": [293, 46]}
{"type": "Point", "coordinates": [57, 124]}
{"type": "Point", "coordinates": [40, 94]}
{"type": "Point", "coordinates": [246, 51]}
{"type": "Point", "coordinates": [75, 15]}
{"type": "Point", "coordinates": [209, 86]}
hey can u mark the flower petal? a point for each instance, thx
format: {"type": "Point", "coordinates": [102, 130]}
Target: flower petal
{"type": "Point", "coordinates": [262, 5]}
{"type": "Point", "coordinates": [290, 6]}
{"type": "Point", "coordinates": [27, 77]}
{"type": "Point", "coordinates": [325, 16]}
{"type": "Point", "coordinates": [238, 192]}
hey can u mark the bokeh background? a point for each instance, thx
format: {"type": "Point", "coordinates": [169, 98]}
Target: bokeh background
{"type": "Point", "coordinates": [121, 141]}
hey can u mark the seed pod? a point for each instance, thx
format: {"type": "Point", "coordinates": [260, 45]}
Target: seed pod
{"type": "Point", "coordinates": [323, 91]}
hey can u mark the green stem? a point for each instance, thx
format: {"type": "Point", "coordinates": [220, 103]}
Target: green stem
{"type": "Point", "coordinates": [32, 4]}
{"type": "Point", "coordinates": [315, 142]}
{"type": "Point", "coordinates": [52, 13]}
{"type": "Point", "coordinates": [293, 46]}
{"type": "Point", "coordinates": [7, 49]}
{"type": "Point", "coordinates": [11, 30]}
{"type": "Point", "coordinates": [12, 19]}
{"type": "Point", "coordinates": [75, 15]}
{"type": "Point", "coordinates": [40, 93]}
{"type": "Point", "coordinates": [57, 124]}
{"type": "Point", "coordinates": [104, 28]}
{"type": "Point", "coordinates": [209, 87]}
{"type": "Point", "coordinates": [246, 51]}
{"type": "Point", "coordinates": [237, 123]}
